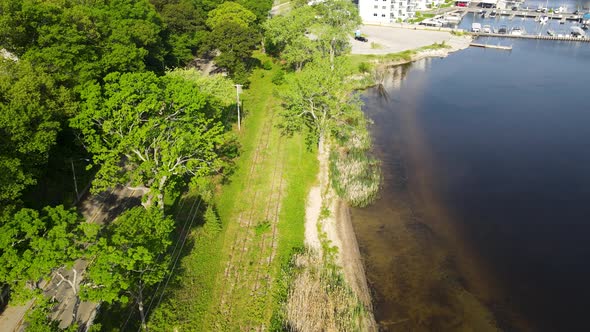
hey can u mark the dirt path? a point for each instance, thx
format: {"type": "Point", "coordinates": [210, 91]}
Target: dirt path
{"type": "Point", "coordinates": [338, 228]}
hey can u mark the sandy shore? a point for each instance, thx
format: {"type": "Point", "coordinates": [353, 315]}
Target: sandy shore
{"type": "Point", "coordinates": [338, 225]}
{"type": "Point", "coordinates": [338, 228]}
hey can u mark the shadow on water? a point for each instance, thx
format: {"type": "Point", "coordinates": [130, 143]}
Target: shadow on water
{"type": "Point", "coordinates": [481, 221]}
{"type": "Point", "coordinates": [423, 275]}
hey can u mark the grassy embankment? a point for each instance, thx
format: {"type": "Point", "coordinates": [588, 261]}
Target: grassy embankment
{"type": "Point", "coordinates": [231, 276]}
{"type": "Point", "coordinates": [420, 16]}
{"type": "Point", "coordinates": [364, 62]}
{"type": "Point", "coordinates": [369, 68]}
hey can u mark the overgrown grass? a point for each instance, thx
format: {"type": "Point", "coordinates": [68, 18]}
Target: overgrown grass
{"type": "Point", "coordinates": [194, 302]}
{"type": "Point", "coordinates": [361, 63]}
{"type": "Point", "coordinates": [420, 16]}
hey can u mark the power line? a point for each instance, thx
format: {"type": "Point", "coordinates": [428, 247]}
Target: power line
{"type": "Point", "coordinates": [176, 260]}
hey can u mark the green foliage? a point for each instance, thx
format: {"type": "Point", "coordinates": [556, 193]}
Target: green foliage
{"type": "Point", "coordinates": [260, 8]}
{"type": "Point", "coordinates": [184, 22]}
{"type": "Point", "coordinates": [287, 36]}
{"type": "Point", "coordinates": [79, 41]}
{"type": "Point", "coordinates": [267, 65]}
{"type": "Point", "coordinates": [262, 227]}
{"type": "Point", "coordinates": [420, 16]}
{"type": "Point", "coordinates": [233, 34]}
{"type": "Point", "coordinates": [163, 127]}
{"type": "Point", "coordinates": [278, 78]}
{"type": "Point", "coordinates": [37, 319]}
{"type": "Point", "coordinates": [318, 98]}
{"type": "Point", "coordinates": [365, 67]}
{"type": "Point", "coordinates": [31, 106]}
{"type": "Point", "coordinates": [131, 256]}
{"type": "Point", "coordinates": [230, 12]}
{"type": "Point", "coordinates": [213, 224]}
{"type": "Point", "coordinates": [34, 244]}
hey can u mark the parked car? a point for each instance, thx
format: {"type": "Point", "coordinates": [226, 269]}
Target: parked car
{"type": "Point", "coordinates": [361, 38]}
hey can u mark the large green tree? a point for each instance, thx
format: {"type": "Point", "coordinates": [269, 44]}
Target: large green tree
{"type": "Point", "coordinates": [33, 244]}
{"type": "Point", "coordinates": [336, 20]}
{"type": "Point", "coordinates": [234, 35]}
{"type": "Point", "coordinates": [32, 106]}
{"type": "Point", "coordinates": [319, 98]}
{"type": "Point", "coordinates": [129, 258]}
{"type": "Point", "coordinates": [147, 131]}
{"type": "Point", "coordinates": [288, 36]}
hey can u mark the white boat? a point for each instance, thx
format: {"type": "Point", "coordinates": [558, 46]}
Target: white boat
{"type": "Point", "coordinates": [517, 31]}
{"type": "Point", "coordinates": [453, 17]}
{"type": "Point", "coordinates": [493, 14]}
{"type": "Point", "coordinates": [543, 19]}
{"type": "Point", "coordinates": [431, 23]}
{"type": "Point", "coordinates": [487, 29]}
{"type": "Point", "coordinates": [577, 32]}
{"type": "Point", "coordinates": [476, 27]}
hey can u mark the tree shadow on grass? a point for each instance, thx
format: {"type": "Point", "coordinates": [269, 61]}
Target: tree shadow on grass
{"type": "Point", "coordinates": [188, 211]}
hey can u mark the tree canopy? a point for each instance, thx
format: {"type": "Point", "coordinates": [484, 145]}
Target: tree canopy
{"type": "Point", "coordinates": [148, 130]}
{"type": "Point", "coordinates": [33, 244]}
{"type": "Point", "coordinates": [130, 257]}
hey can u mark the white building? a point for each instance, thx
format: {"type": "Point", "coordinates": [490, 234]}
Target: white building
{"type": "Point", "coordinates": [386, 11]}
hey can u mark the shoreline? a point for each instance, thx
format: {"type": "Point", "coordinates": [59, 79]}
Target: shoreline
{"type": "Point", "coordinates": [335, 229]}
{"type": "Point", "coordinates": [337, 225]}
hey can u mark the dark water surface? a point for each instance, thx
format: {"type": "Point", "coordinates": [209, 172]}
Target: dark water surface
{"type": "Point", "coordinates": [484, 218]}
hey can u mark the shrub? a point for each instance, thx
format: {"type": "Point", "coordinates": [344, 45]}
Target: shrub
{"type": "Point", "coordinates": [278, 78]}
{"type": "Point", "coordinates": [267, 65]}
{"type": "Point", "coordinates": [365, 67]}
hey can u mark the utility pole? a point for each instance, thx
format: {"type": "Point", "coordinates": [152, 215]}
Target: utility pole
{"type": "Point", "coordinates": [238, 90]}
{"type": "Point", "coordinates": [75, 182]}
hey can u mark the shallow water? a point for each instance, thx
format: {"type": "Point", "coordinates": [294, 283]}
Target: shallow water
{"type": "Point", "coordinates": [483, 220]}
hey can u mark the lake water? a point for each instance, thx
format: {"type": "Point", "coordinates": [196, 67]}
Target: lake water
{"type": "Point", "coordinates": [484, 217]}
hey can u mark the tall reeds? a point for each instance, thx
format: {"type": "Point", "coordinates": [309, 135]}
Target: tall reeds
{"type": "Point", "coordinates": [355, 174]}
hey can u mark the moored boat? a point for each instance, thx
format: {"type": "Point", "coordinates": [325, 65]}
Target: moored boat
{"type": "Point", "coordinates": [517, 31]}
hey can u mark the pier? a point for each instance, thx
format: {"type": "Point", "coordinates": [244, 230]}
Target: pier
{"type": "Point", "coordinates": [541, 37]}
{"type": "Point", "coordinates": [521, 13]}
{"type": "Point", "coordinates": [498, 47]}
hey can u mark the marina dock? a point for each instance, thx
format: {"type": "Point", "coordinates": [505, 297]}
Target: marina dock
{"type": "Point", "coordinates": [521, 13]}
{"type": "Point", "coordinates": [498, 47]}
{"type": "Point", "coordinates": [541, 37]}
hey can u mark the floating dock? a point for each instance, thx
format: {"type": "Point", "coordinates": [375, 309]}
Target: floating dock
{"type": "Point", "coordinates": [498, 47]}
{"type": "Point", "coordinates": [521, 13]}
{"type": "Point", "coordinates": [542, 37]}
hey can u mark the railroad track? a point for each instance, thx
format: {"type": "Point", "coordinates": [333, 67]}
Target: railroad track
{"type": "Point", "coordinates": [234, 268]}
